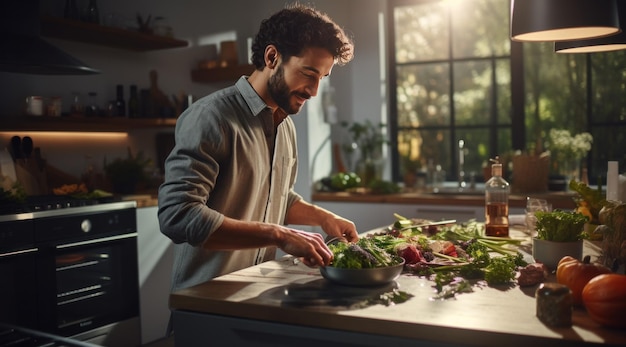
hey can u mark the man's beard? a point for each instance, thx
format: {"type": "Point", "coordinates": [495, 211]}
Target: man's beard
{"type": "Point", "coordinates": [279, 91]}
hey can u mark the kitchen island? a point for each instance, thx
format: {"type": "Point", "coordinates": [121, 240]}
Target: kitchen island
{"type": "Point", "coordinates": [285, 303]}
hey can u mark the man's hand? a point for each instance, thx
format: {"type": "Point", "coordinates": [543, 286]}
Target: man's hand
{"type": "Point", "coordinates": [336, 226]}
{"type": "Point", "coordinates": [306, 245]}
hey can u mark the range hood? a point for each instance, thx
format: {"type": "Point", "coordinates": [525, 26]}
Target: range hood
{"type": "Point", "coordinates": [23, 49]}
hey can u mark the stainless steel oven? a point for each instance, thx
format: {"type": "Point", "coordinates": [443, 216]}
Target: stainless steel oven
{"type": "Point", "coordinates": [73, 272]}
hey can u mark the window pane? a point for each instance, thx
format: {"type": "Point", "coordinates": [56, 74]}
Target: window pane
{"type": "Point", "coordinates": [555, 87]}
{"type": "Point", "coordinates": [477, 28]}
{"type": "Point", "coordinates": [609, 74]}
{"type": "Point", "coordinates": [609, 143]}
{"type": "Point", "coordinates": [503, 91]}
{"type": "Point", "coordinates": [421, 32]}
{"type": "Point", "coordinates": [422, 94]}
{"type": "Point", "coordinates": [472, 92]}
{"type": "Point", "coordinates": [473, 96]}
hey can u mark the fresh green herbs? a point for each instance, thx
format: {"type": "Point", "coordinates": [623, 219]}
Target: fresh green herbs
{"type": "Point", "coordinates": [455, 256]}
{"type": "Point", "coordinates": [560, 226]}
{"type": "Point", "coordinates": [481, 265]}
{"type": "Point", "coordinates": [363, 254]}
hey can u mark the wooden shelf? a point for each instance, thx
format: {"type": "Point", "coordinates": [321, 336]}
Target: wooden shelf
{"type": "Point", "coordinates": [106, 36]}
{"type": "Point", "coordinates": [91, 124]}
{"type": "Point", "coordinates": [229, 73]}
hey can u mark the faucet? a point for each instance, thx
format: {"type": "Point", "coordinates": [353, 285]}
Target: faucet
{"type": "Point", "coordinates": [462, 182]}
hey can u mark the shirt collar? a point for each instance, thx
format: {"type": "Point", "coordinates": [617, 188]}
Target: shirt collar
{"type": "Point", "coordinates": [254, 101]}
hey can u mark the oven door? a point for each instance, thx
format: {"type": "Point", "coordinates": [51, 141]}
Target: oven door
{"type": "Point", "coordinates": [95, 284]}
{"type": "Point", "coordinates": [18, 291]}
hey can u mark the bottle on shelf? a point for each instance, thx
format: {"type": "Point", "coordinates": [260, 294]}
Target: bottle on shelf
{"type": "Point", "coordinates": [120, 103]}
{"type": "Point", "coordinates": [92, 109]}
{"type": "Point", "coordinates": [133, 103]}
{"type": "Point", "coordinates": [76, 109]}
{"type": "Point", "coordinates": [497, 191]}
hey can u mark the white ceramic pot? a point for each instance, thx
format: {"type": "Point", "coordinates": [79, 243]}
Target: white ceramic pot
{"type": "Point", "coordinates": [550, 252]}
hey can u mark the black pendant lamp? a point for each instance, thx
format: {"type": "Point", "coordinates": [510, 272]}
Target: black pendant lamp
{"type": "Point", "coordinates": [603, 44]}
{"type": "Point", "coordinates": [562, 20]}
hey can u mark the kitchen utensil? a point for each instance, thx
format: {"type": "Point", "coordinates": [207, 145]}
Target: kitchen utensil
{"type": "Point", "coordinates": [27, 147]}
{"type": "Point", "coordinates": [362, 277]}
{"type": "Point", "coordinates": [16, 147]}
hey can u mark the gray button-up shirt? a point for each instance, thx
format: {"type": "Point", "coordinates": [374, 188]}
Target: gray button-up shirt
{"type": "Point", "coordinates": [227, 161]}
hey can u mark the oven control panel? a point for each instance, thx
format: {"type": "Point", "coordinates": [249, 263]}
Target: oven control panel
{"type": "Point", "coordinates": [81, 226]}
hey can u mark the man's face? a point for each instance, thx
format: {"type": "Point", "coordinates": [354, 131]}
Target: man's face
{"type": "Point", "coordinates": [297, 80]}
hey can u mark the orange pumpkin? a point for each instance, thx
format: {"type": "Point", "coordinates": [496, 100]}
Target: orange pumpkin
{"type": "Point", "coordinates": [575, 274]}
{"type": "Point", "coordinates": [604, 298]}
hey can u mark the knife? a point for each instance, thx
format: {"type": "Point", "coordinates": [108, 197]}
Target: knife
{"type": "Point", "coordinates": [16, 147]}
{"type": "Point", "coordinates": [27, 147]}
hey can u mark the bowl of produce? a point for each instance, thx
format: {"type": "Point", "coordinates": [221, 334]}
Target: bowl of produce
{"type": "Point", "coordinates": [362, 263]}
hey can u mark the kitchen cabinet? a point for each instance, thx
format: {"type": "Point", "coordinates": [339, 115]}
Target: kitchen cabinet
{"type": "Point", "coordinates": [156, 257]}
{"type": "Point", "coordinates": [95, 124]}
{"type": "Point", "coordinates": [106, 36]}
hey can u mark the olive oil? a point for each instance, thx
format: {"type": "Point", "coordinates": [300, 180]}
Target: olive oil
{"type": "Point", "coordinates": [497, 192]}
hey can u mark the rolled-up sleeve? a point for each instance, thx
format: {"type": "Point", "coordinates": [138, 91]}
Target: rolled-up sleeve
{"type": "Point", "coordinates": [191, 172]}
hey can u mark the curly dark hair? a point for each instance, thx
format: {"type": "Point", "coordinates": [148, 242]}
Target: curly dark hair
{"type": "Point", "coordinates": [297, 27]}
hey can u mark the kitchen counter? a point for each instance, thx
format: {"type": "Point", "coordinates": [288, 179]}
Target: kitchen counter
{"type": "Point", "coordinates": [561, 200]}
{"type": "Point", "coordinates": [286, 303]}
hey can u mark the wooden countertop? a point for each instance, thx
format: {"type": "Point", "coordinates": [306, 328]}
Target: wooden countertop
{"type": "Point", "coordinates": [561, 200]}
{"type": "Point", "coordinates": [504, 315]}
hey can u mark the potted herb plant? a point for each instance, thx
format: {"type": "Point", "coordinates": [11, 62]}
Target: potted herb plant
{"type": "Point", "coordinates": [125, 173]}
{"type": "Point", "coordinates": [559, 233]}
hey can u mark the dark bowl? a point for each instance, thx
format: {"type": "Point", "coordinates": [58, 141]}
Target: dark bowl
{"type": "Point", "coordinates": [362, 277]}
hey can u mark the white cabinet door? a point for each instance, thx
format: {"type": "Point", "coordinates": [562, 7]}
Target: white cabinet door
{"type": "Point", "coordinates": [155, 253]}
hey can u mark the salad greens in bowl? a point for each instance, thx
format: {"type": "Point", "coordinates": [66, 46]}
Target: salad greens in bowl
{"type": "Point", "coordinates": [362, 263]}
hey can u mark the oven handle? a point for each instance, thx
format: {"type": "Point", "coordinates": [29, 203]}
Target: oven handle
{"type": "Point", "coordinates": [98, 240]}
{"type": "Point", "coordinates": [20, 252]}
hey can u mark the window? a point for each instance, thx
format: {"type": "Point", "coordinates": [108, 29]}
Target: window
{"type": "Point", "coordinates": [456, 75]}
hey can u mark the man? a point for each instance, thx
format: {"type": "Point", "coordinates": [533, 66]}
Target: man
{"type": "Point", "coordinates": [228, 190]}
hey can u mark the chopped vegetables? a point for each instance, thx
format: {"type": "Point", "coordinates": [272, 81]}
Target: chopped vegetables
{"type": "Point", "coordinates": [452, 254]}
{"type": "Point", "coordinates": [363, 254]}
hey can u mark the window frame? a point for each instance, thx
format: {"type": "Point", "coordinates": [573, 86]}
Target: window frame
{"type": "Point", "coordinates": [518, 138]}
{"type": "Point", "coordinates": [518, 103]}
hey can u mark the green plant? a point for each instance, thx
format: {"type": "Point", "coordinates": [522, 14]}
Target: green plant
{"type": "Point", "coordinates": [11, 192]}
{"type": "Point", "coordinates": [560, 226]}
{"type": "Point", "coordinates": [125, 173]}
{"type": "Point", "coordinates": [568, 147]}
{"type": "Point", "coordinates": [368, 136]}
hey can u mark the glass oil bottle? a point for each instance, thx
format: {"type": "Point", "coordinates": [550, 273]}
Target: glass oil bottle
{"type": "Point", "coordinates": [497, 191]}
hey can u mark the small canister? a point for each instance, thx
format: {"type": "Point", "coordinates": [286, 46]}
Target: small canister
{"type": "Point", "coordinates": [34, 105]}
{"type": "Point", "coordinates": [554, 304]}
{"type": "Point", "coordinates": [55, 106]}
